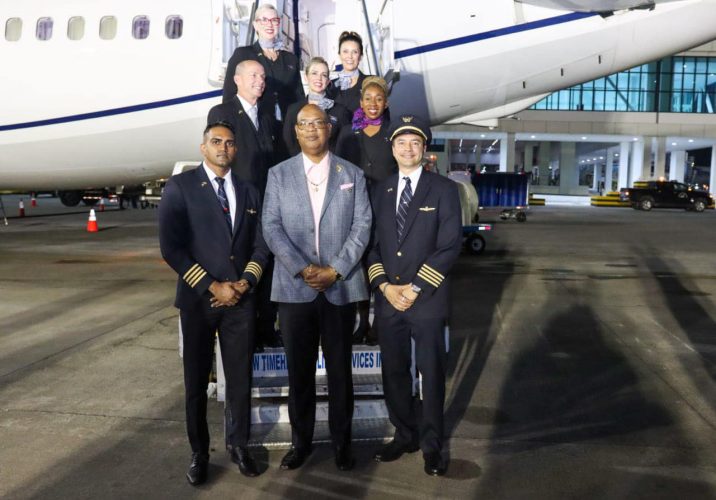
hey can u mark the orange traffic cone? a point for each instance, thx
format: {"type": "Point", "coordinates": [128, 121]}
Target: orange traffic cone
{"type": "Point", "coordinates": [33, 201]}
{"type": "Point", "coordinates": [92, 222]}
{"type": "Point", "coordinates": [21, 209]}
{"type": "Point", "coordinates": [101, 204]}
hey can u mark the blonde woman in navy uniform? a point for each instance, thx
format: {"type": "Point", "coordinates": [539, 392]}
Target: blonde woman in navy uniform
{"type": "Point", "coordinates": [283, 73]}
{"type": "Point", "coordinates": [416, 240]}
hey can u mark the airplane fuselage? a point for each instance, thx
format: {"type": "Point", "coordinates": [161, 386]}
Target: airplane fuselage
{"type": "Point", "coordinates": [95, 112]}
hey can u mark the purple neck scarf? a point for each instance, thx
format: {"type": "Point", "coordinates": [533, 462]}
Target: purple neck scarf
{"type": "Point", "coordinates": [360, 121]}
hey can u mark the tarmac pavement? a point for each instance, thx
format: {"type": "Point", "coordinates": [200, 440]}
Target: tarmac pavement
{"type": "Point", "coordinates": [582, 365]}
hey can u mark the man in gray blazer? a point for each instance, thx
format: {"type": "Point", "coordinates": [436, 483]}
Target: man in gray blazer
{"type": "Point", "coordinates": [317, 221]}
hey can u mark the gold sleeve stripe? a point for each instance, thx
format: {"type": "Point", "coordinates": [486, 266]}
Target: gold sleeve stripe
{"type": "Point", "coordinates": [255, 269]}
{"type": "Point", "coordinates": [429, 279]}
{"type": "Point", "coordinates": [374, 271]}
{"type": "Point", "coordinates": [426, 272]}
{"type": "Point", "coordinates": [197, 279]}
{"type": "Point", "coordinates": [437, 274]}
{"type": "Point", "coordinates": [377, 264]}
{"type": "Point", "coordinates": [194, 274]}
{"type": "Point", "coordinates": [191, 270]}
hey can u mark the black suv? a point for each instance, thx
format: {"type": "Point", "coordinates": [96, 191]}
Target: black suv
{"type": "Point", "coordinates": [666, 194]}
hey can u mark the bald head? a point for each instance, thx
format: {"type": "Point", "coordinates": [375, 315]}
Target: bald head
{"type": "Point", "coordinates": [313, 128]}
{"type": "Point", "coordinates": [250, 79]}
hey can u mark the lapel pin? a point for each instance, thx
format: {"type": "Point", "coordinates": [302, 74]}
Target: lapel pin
{"type": "Point", "coordinates": [389, 190]}
{"type": "Point", "coordinates": [251, 211]}
{"type": "Point", "coordinates": [203, 184]}
{"type": "Point", "coordinates": [339, 168]}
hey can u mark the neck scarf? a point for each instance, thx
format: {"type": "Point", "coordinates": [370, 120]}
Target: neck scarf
{"type": "Point", "coordinates": [345, 77]}
{"type": "Point", "coordinates": [360, 121]}
{"type": "Point", "coordinates": [275, 43]}
{"type": "Point", "coordinates": [320, 100]}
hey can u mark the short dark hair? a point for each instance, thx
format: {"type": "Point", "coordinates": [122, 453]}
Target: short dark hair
{"type": "Point", "coordinates": [350, 36]}
{"type": "Point", "coordinates": [221, 123]}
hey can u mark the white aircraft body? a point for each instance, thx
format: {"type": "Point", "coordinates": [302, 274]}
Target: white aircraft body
{"type": "Point", "coordinates": [99, 104]}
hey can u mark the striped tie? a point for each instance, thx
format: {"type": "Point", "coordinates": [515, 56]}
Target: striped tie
{"type": "Point", "coordinates": [224, 201]}
{"type": "Point", "coordinates": [402, 213]}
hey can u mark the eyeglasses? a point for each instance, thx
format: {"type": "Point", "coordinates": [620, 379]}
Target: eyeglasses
{"type": "Point", "coordinates": [305, 124]}
{"type": "Point", "coordinates": [266, 20]}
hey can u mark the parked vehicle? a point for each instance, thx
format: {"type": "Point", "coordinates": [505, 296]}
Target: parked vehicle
{"type": "Point", "coordinates": [666, 194]}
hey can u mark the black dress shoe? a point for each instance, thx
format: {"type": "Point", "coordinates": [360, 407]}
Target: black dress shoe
{"type": "Point", "coordinates": [434, 464]}
{"type": "Point", "coordinates": [241, 457]}
{"type": "Point", "coordinates": [344, 458]}
{"type": "Point", "coordinates": [394, 450]}
{"type": "Point", "coordinates": [273, 341]}
{"type": "Point", "coordinates": [295, 458]}
{"type": "Point", "coordinates": [371, 337]}
{"type": "Point", "coordinates": [359, 334]}
{"type": "Point", "coordinates": [198, 469]}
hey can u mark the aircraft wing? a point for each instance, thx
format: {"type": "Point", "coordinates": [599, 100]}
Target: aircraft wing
{"type": "Point", "coordinates": [594, 5]}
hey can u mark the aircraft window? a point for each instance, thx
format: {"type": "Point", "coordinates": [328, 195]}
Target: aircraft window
{"type": "Point", "coordinates": [140, 27]}
{"type": "Point", "coordinates": [76, 28]}
{"type": "Point", "coordinates": [44, 28]}
{"type": "Point", "coordinates": [13, 29]}
{"type": "Point", "coordinates": [108, 28]}
{"type": "Point", "coordinates": [174, 27]}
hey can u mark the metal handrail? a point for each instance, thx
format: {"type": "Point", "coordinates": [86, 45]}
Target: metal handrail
{"type": "Point", "coordinates": [376, 68]}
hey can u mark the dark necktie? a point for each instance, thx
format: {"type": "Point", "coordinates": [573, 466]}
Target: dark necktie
{"type": "Point", "coordinates": [224, 201]}
{"type": "Point", "coordinates": [402, 212]}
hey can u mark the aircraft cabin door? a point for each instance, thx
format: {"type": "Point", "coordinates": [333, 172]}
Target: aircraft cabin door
{"type": "Point", "coordinates": [231, 28]}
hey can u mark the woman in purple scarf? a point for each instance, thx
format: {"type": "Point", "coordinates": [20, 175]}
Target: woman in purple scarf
{"type": "Point", "coordinates": [367, 145]}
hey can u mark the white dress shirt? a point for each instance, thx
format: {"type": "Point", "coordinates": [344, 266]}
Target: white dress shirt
{"type": "Point", "coordinates": [251, 109]}
{"type": "Point", "coordinates": [414, 178]}
{"type": "Point", "coordinates": [228, 187]}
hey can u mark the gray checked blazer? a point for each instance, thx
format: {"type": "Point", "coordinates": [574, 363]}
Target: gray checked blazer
{"type": "Point", "coordinates": [344, 227]}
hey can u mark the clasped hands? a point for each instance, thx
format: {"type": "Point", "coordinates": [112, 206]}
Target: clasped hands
{"type": "Point", "coordinates": [319, 277]}
{"type": "Point", "coordinates": [227, 293]}
{"type": "Point", "coordinates": [401, 297]}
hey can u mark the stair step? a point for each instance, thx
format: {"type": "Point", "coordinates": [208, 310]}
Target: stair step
{"type": "Point", "coordinates": [272, 387]}
{"type": "Point", "coordinates": [271, 413]}
{"type": "Point", "coordinates": [278, 435]}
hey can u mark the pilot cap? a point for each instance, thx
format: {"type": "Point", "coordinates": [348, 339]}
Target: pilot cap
{"type": "Point", "coordinates": [410, 124]}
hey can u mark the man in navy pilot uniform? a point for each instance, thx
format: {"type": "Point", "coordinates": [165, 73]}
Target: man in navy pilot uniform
{"type": "Point", "coordinates": [210, 234]}
{"type": "Point", "coordinates": [417, 237]}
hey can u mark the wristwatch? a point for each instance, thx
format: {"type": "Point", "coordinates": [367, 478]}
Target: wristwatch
{"type": "Point", "coordinates": [416, 288]}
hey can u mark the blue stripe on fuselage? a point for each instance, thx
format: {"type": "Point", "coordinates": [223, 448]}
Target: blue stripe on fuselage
{"type": "Point", "coordinates": [574, 16]}
{"type": "Point", "coordinates": [115, 111]}
{"type": "Point", "coordinates": [400, 54]}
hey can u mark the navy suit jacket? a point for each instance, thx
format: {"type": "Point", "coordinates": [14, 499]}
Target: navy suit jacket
{"type": "Point", "coordinates": [431, 243]}
{"type": "Point", "coordinates": [256, 150]}
{"type": "Point", "coordinates": [195, 239]}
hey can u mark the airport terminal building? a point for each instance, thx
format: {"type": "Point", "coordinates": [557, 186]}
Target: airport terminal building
{"type": "Point", "coordinates": [652, 121]}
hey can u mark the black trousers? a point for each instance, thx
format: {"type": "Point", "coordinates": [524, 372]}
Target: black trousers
{"type": "Point", "coordinates": [302, 326]}
{"type": "Point", "coordinates": [265, 330]}
{"type": "Point", "coordinates": [236, 338]}
{"type": "Point", "coordinates": [414, 422]}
